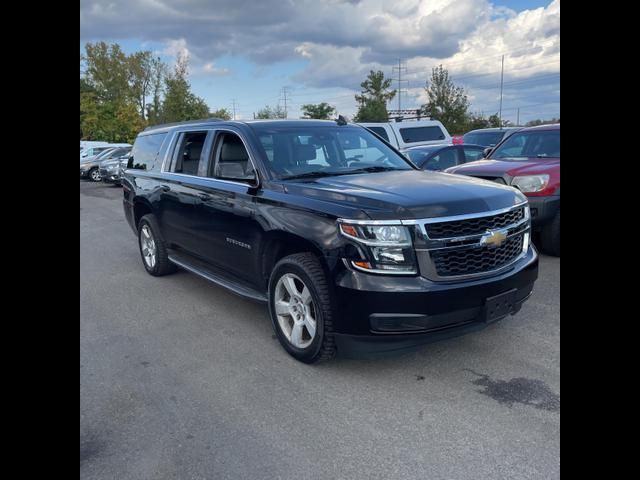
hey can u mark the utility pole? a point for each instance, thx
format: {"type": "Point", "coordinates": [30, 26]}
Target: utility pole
{"type": "Point", "coordinates": [400, 68]}
{"type": "Point", "coordinates": [518, 118]}
{"type": "Point", "coordinates": [501, 83]}
{"type": "Point", "coordinates": [234, 108]}
{"type": "Point", "coordinates": [284, 95]}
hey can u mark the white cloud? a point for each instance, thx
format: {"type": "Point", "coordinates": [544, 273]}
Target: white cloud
{"type": "Point", "coordinates": [341, 40]}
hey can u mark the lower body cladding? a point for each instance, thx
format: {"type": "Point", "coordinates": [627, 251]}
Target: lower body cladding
{"type": "Point", "coordinates": [384, 314]}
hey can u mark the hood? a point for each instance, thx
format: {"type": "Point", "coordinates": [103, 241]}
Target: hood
{"type": "Point", "coordinates": [531, 166]}
{"type": "Point", "coordinates": [409, 194]}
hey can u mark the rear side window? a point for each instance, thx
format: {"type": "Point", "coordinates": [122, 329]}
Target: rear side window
{"type": "Point", "coordinates": [145, 151]}
{"type": "Point", "coordinates": [188, 153]}
{"type": "Point", "coordinates": [421, 134]}
{"type": "Point", "coordinates": [380, 131]}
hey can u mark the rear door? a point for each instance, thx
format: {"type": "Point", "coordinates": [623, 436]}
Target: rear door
{"type": "Point", "coordinates": [180, 196]}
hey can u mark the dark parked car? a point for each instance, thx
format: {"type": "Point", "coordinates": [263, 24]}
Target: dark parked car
{"type": "Point", "coordinates": [488, 137]}
{"type": "Point", "coordinates": [350, 254]}
{"type": "Point", "coordinates": [440, 157]}
{"type": "Point", "coordinates": [110, 167]}
{"type": "Point", "coordinates": [90, 166]}
{"type": "Point", "coordinates": [530, 161]}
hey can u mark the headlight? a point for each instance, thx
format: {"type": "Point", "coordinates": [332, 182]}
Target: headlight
{"type": "Point", "coordinates": [382, 248]}
{"type": "Point", "coordinates": [530, 183]}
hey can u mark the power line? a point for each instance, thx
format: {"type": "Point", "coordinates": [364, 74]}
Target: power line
{"type": "Point", "coordinates": [399, 68]}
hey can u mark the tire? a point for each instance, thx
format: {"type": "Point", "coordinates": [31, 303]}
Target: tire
{"type": "Point", "coordinates": [550, 237]}
{"type": "Point", "coordinates": [316, 303]}
{"type": "Point", "coordinates": [94, 175]}
{"type": "Point", "coordinates": [154, 253]}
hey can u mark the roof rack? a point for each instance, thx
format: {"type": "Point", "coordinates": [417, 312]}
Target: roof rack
{"type": "Point", "coordinates": [186, 122]}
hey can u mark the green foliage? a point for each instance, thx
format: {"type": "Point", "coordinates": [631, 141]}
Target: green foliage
{"type": "Point", "coordinates": [372, 111]}
{"type": "Point", "coordinates": [374, 97]}
{"type": "Point", "coordinates": [179, 102]}
{"type": "Point", "coordinates": [446, 102]}
{"type": "Point", "coordinates": [321, 111]}
{"type": "Point", "coordinates": [121, 94]}
{"type": "Point", "coordinates": [270, 113]}
{"type": "Point", "coordinates": [222, 113]}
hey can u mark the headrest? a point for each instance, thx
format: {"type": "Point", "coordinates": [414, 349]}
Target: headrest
{"type": "Point", "coordinates": [195, 149]}
{"type": "Point", "coordinates": [233, 152]}
{"type": "Point", "coordinates": [302, 153]}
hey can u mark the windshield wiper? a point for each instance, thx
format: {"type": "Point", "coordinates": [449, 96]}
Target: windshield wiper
{"type": "Point", "coordinates": [320, 174]}
{"type": "Point", "coordinates": [317, 174]}
{"type": "Point", "coordinates": [377, 168]}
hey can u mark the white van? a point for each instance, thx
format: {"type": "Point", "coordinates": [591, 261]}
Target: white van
{"type": "Point", "coordinates": [410, 133]}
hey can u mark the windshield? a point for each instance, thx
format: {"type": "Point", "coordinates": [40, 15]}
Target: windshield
{"type": "Point", "coordinates": [524, 145]}
{"type": "Point", "coordinates": [484, 138]}
{"type": "Point", "coordinates": [308, 152]}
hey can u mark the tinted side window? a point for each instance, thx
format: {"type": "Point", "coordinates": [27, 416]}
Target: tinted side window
{"type": "Point", "coordinates": [380, 131]}
{"type": "Point", "coordinates": [421, 134]}
{"type": "Point", "coordinates": [471, 154]}
{"type": "Point", "coordinates": [145, 151]}
{"type": "Point", "coordinates": [444, 159]}
{"type": "Point", "coordinates": [188, 153]}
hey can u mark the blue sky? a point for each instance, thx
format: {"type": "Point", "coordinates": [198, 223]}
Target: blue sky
{"type": "Point", "coordinates": [322, 49]}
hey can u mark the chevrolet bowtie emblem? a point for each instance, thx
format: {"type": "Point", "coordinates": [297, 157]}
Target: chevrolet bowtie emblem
{"type": "Point", "coordinates": [494, 238]}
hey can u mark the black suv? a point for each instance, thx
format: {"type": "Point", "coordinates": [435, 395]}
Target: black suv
{"type": "Point", "coordinates": [351, 245]}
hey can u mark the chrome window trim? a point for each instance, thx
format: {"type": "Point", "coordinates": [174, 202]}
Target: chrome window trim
{"type": "Point", "coordinates": [243, 184]}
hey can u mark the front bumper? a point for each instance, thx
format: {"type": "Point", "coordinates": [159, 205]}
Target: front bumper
{"type": "Point", "coordinates": [110, 176]}
{"type": "Point", "coordinates": [388, 313]}
{"type": "Point", "coordinates": [543, 210]}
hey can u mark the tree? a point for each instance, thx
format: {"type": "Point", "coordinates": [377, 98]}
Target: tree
{"type": "Point", "coordinates": [271, 113]}
{"type": "Point", "coordinates": [107, 71]}
{"type": "Point", "coordinates": [322, 111]}
{"type": "Point", "coordinates": [374, 97]}
{"type": "Point", "coordinates": [446, 102]}
{"type": "Point", "coordinates": [179, 102]}
{"type": "Point", "coordinates": [158, 73]}
{"type": "Point", "coordinates": [141, 77]}
{"type": "Point", "coordinates": [222, 113]}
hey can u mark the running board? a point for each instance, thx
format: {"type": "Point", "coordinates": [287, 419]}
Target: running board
{"type": "Point", "coordinates": [205, 271]}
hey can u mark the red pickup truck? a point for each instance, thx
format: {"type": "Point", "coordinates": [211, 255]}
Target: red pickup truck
{"type": "Point", "coordinates": [530, 161]}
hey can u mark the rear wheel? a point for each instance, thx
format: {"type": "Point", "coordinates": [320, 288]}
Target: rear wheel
{"type": "Point", "coordinates": [301, 308]}
{"type": "Point", "coordinates": [550, 236]}
{"type": "Point", "coordinates": [152, 248]}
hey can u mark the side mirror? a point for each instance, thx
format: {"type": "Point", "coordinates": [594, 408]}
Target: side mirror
{"type": "Point", "coordinates": [486, 152]}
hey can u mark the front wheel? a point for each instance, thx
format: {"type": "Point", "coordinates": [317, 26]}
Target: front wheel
{"type": "Point", "coordinates": [301, 308]}
{"type": "Point", "coordinates": [94, 175]}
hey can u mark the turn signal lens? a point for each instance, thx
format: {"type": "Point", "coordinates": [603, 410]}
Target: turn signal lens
{"type": "Point", "coordinates": [362, 264]}
{"type": "Point", "coordinates": [349, 230]}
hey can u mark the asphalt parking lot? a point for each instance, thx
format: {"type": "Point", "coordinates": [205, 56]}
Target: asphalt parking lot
{"type": "Point", "coordinates": [180, 379]}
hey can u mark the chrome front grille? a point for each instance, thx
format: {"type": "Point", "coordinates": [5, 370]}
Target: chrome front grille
{"type": "Point", "coordinates": [474, 226]}
{"type": "Point", "coordinates": [468, 246]}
